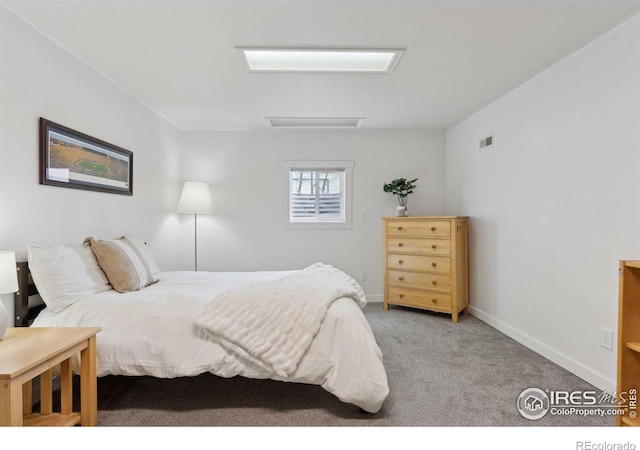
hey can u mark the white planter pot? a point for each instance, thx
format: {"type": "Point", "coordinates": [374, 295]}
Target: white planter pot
{"type": "Point", "coordinates": [402, 211]}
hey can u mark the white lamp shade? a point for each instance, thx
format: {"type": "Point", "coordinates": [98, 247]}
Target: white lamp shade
{"type": "Point", "coordinates": [195, 198]}
{"type": "Point", "coordinates": [8, 273]}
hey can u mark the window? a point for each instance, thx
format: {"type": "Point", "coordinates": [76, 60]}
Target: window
{"type": "Point", "coordinates": [318, 194]}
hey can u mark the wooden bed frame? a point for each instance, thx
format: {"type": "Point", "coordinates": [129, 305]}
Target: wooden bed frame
{"type": "Point", "coordinates": [24, 314]}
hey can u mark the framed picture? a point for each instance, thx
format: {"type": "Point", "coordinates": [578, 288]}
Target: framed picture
{"type": "Point", "coordinates": [72, 159]}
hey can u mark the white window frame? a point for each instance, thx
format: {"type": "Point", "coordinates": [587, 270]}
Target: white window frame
{"type": "Point", "coordinates": [315, 165]}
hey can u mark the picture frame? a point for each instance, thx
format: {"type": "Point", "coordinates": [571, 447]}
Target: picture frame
{"type": "Point", "coordinates": [71, 159]}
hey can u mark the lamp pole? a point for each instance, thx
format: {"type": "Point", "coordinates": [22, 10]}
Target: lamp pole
{"type": "Point", "coordinates": [195, 198]}
{"type": "Point", "coordinates": [195, 220]}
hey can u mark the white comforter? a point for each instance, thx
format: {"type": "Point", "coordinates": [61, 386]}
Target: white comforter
{"type": "Point", "coordinates": [152, 332]}
{"type": "Point", "coordinates": [273, 324]}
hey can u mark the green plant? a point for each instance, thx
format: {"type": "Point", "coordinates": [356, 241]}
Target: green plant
{"type": "Point", "coordinates": [401, 187]}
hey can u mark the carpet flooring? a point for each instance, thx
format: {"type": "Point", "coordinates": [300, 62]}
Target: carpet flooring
{"type": "Point", "coordinates": [440, 374]}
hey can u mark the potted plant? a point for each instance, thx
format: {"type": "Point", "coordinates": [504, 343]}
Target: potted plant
{"type": "Point", "coordinates": [401, 187]}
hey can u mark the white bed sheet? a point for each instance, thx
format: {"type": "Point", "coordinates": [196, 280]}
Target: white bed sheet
{"type": "Point", "coordinates": [151, 332]}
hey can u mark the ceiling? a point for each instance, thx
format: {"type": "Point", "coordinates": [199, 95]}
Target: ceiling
{"type": "Point", "coordinates": [179, 57]}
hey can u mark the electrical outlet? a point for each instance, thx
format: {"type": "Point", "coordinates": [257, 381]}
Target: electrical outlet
{"type": "Point", "coordinates": [363, 276]}
{"type": "Point", "coordinates": [606, 338]}
{"type": "Point", "coordinates": [363, 216]}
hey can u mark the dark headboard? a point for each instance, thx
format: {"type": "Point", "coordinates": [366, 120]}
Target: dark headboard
{"type": "Point", "coordinates": [24, 314]}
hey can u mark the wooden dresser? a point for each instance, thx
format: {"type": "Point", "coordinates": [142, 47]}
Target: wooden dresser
{"type": "Point", "coordinates": [426, 263]}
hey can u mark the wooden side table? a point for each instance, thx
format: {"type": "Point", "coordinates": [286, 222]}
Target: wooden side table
{"type": "Point", "coordinates": [26, 353]}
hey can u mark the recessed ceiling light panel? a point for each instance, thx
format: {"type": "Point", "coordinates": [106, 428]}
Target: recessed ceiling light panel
{"type": "Point", "coordinates": [319, 60]}
{"type": "Point", "coordinates": [316, 122]}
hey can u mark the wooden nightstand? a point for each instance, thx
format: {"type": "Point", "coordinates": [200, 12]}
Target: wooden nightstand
{"type": "Point", "coordinates": [26, 353]}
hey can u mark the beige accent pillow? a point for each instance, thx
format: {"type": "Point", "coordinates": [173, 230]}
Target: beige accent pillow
{"type": "Point", "coordinates": [144, 252]}
{"type": "Point", "coordinates": [122, 263]}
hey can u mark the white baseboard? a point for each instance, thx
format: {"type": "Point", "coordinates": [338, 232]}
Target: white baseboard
{"type": "Point", "coordinates": [375, 298]}
{"type": "Point", "coordinates": [579, 370]}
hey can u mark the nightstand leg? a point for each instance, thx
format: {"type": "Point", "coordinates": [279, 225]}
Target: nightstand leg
{"type": "Point", "coordinates": [88, 385]}
{"type": "Point", "coordinates": [10, 404]}
{"type": "Point", "coordinates": [385, 306]}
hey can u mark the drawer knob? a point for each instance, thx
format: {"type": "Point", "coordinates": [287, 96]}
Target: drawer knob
{"type": "Point", "coordinates": [399, 228]}
{"type": "Point", "coordinates": [433, 246]}
{"type": "Point", "coordinates": [400, 295]}
{"type": "Point", "coordinates": [433, 264]}
{"type": "Point", "coordinates": [433, 228]}
{"type": "Point", "coordinates": [434, 300]}
{"type": "Point", "coordinates": [434, 282]}
{"type": "Point", "coordinates": [401, 278]}
{"type": "Point", "coordinates": [400, 244]}
{"type": "Point", "coordinates": [400, 261]}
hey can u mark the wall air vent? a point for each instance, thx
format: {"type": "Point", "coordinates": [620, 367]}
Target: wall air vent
{"type": "Point", "coordinates": [486, 142]}
{"type": "Point", "coordinates": [316, 122]}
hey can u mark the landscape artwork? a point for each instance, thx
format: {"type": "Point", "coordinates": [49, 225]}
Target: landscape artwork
{"type": "Point", "coordinates": [72, 159]}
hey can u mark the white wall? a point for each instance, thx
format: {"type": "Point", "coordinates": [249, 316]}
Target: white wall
{"type": "Point", "coordinates": [556, 203]}
{"type": "Point", "coordinates": [38, 79]}
{"type": "Point", "coordinates": [245, 172]}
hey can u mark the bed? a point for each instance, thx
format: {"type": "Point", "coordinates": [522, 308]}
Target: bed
{"type": "Point", "coordinates": [181, 323]}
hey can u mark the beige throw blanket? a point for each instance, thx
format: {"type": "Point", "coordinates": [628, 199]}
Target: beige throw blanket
{"type": "Point", "coordinates": [272, 324]}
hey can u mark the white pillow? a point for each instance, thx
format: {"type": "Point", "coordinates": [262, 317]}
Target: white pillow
{"type": "Point", "coordinates": [65, 274]}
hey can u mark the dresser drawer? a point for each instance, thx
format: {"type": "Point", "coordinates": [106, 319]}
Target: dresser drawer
{"type": "Point", "coordinates": [419, 262]}
{"type": "Point", "coordinates": [423, 228]}
{"type": "Point", "coordinates": [419, 246]}
{"type": "Point", "coordinates": [420, 299]}
{"type": "Point", "coordinates": [419, 280]}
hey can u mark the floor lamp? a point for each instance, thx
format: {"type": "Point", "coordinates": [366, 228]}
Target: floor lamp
{"type": "Point", "coordinates": [195, 199]}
